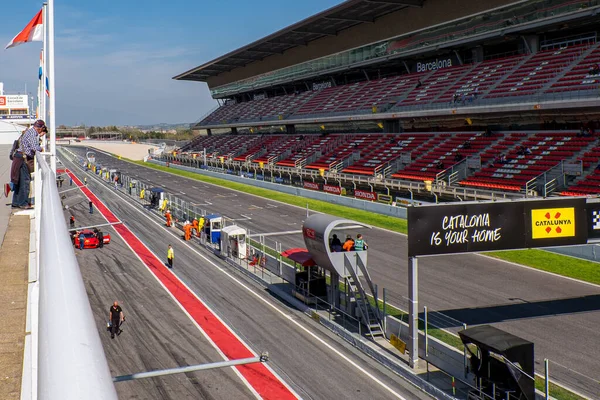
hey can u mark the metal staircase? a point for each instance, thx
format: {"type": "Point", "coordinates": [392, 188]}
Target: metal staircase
{"type": "Point", "coordinates": [369, 315]}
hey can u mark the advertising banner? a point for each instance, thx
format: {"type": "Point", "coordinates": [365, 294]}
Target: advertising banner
{"type": "Point", "coordinates": [384, 198]}
{"type": "Point", "coordinates": [593, 211]}
{"type": "Point", "coordinates": [332, 189]}
{"type": "Point", "coordinates": [23, 116]}
{"type": "Point", "coordinates": [362, 194]}
{"type": "Point", "coordinates": [13, 101]}
{"type": "Point", "coordinates": [475, 227]}
{"type": "Point", "coordinates": [311, 185]}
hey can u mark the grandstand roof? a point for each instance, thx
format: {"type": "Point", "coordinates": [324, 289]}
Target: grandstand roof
{"type": "Point", "coordinates": [327, 23]}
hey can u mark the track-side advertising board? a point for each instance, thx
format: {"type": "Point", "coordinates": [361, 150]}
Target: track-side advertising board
{"type": "Point", "coordinates": [476, 227]}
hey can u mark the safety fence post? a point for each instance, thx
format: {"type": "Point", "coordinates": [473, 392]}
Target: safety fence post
{"type": "Point", "coordinates": [279, 257]}
{"type": "Point", "coordinates": [426, 331]}
{"type": "Point", "coordinates": [546, 376]}
{"type": "Point", "coordinates": [384, 310]}
{"type": "Point", "coordinates": [465, 355]}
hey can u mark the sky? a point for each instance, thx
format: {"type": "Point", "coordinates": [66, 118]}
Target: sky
{"type": "Point", "coordinates": [115, 59]}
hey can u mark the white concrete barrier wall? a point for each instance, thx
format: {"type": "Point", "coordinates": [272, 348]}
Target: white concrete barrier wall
{"type": "Point", "coordinates": [71, 361]}
{"type": "Point", "coordinates": [440, 354]}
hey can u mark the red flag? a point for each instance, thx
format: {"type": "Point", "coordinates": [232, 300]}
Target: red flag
{"type": "Point", "coordinates": [33, 32]}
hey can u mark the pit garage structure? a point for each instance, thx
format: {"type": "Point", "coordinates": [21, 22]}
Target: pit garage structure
{"type": "Point", "coordinates": [343, 266]}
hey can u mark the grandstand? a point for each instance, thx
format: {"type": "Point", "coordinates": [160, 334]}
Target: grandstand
{"type": "Point", "coordinates": [498, 96]}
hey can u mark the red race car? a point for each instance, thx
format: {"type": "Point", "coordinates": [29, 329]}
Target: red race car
{"type": "Point", "coordinates": [91, 239]}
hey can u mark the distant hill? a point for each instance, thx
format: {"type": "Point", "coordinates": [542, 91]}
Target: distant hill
{"type": "Point", "coordinates": [160, 127]}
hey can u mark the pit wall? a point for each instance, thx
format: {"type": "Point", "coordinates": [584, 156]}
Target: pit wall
{"type": "Point", "coordinates": [392, 211]}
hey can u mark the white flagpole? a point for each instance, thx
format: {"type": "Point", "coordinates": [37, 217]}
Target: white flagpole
{"type": "Point", "coordinates": [44, 64]}
{"type": "Point", "coordinates": [52, 86]}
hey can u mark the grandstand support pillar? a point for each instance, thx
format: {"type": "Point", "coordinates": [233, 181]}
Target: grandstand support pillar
{"type": "Point", "coordinates": [413, 313]}
{"type": "Point", "coordinates": [532, 42]}
{"type": "Point", "coordinates": [391, 126]}
{"type": "Point", "coordinates": [290, 129]}
{"type": "Point", "coordinates": [366, 75]}
{"type": "Point", "coordinates": [406, 66]}
{"type": "Point", "coordinates": [458, 57]}
{"type": "Point", "coordinates": [477, 54]}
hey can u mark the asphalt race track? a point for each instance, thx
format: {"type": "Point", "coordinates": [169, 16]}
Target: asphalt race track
{"type": "Point", "coordinates": [561, 316]}
{"type": "Point", "coordinates": [158, 334]}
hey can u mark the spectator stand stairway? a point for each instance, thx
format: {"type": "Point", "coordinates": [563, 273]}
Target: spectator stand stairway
{"type": "Point", "coordinates": [433, 85]}
{"type": "Point", "coordinates": [280, 148]}
{"type": "Point", "coordinates": [588, 184]}
{"type": "Point", "coordinates": [530, 164]}
{"type": "Point", "coordinates": [384, 154]}
{"type": "Point", "coordinates": [483, 78]}
{"type": "Point", "coordinates": [226, 147]}
{"type": "Point", "coordinates": [314, 147]}
{"type": "Point", "coordinates": [343, 154]}
{"type": "Point", "coordinates": [536, 72]}
{"type": "Point", "coordinates": [445, 161]}
{"type": "Point", "coordinates": [259, 148]}
{"type": "Point", "coordinates": [578, 76]}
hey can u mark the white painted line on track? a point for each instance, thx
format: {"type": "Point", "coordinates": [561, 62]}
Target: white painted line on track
{"type": "Point", "coordinates": [272, 306]}
{"type": "Point", "coordinates": [276, 233]}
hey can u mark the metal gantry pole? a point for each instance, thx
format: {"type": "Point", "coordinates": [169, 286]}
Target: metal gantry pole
{"type": "Point", "coordinates": [413, 312]}
{"type": "Point", "coordinates": [264, 357]}
{"type": "Point", "coordinates": [51, 84]}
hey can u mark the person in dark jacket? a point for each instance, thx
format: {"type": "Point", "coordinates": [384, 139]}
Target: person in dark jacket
{"type": "Point", "coordinates": [116, 318]}
{"type": "Point", "coordinates": [336, 244]}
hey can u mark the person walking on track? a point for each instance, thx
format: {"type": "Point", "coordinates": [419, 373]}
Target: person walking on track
{"type": "Point", "coordinates": [116, 318]}
{"type": "Point", "coordinates": [170, 256]}
{"type": "Point", "coordinates": [91, 207]}
{"type": "Point", "coordinates": [201, 226]}
{"type": "Point", "coordinates": [81, 240]}
{"type": "Point", "coordinates": [195, 228]}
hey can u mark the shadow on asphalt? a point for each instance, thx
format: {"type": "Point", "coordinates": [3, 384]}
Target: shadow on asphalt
{"type": "Point", "coordinates": [521, 309]}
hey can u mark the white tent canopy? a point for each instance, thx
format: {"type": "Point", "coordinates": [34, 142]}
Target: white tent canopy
{"type": "Point", "coordinates": [9, 132]}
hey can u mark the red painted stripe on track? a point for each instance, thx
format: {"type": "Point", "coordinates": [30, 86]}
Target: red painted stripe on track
{"type": "Point", "coordinates": [264, 382]}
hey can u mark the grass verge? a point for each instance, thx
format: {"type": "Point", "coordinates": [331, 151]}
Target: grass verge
{"type": "Point", "coordinates": [551, 262]}
{"type": "Point", "coordinates": [382, 221]}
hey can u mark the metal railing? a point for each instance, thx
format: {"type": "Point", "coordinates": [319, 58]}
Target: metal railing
{"type": "Point", "coordinates": [71, 361]}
